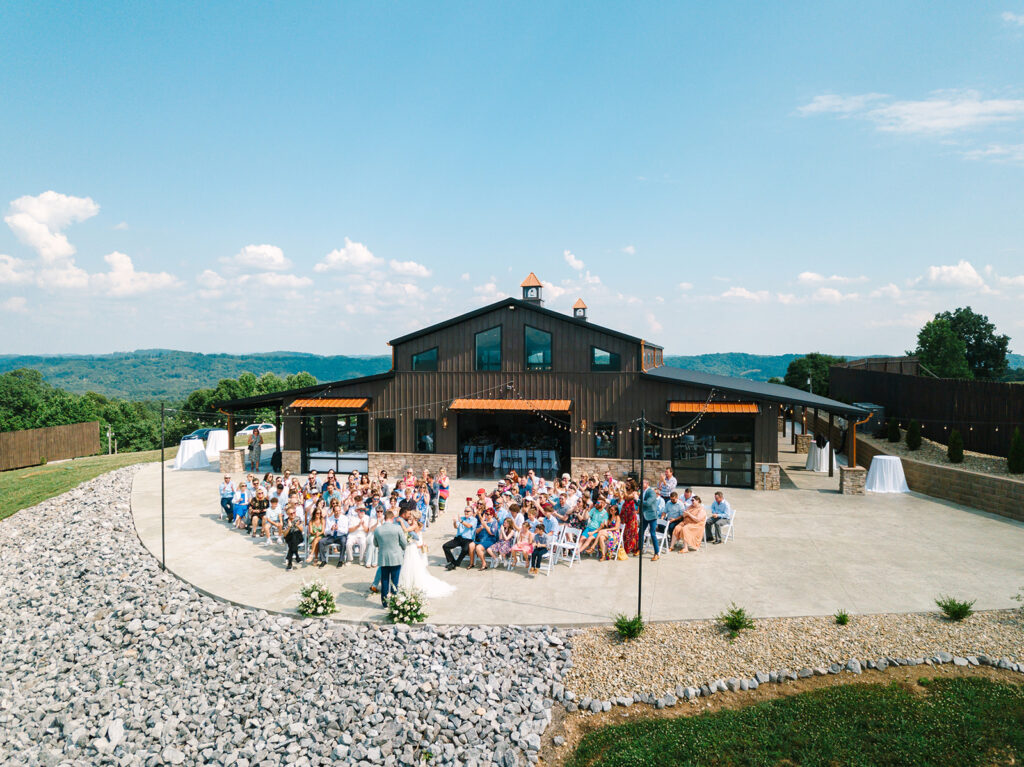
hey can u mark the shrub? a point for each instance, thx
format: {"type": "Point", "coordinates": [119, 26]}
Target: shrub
{"type": "Point", "coordinates": [842, 617]}
{"type": "Point", "coordinates": [316, 600]}
{"type": "Point", "coordinates": [1015, 458]}
{"type": "Point", "coordinates": [629, 628]}
{"type": "Point", "coordinates": [407, 606]}
{"type": "Point", "coordinates": [954, 609]}
{"type": "Point", "coordinates": [894, 430]}
{"type": "Point", "coordinates": [955, 450]}
{"type": "Point", "coordinates": [735, 620]}
{"type": "Point", "coordinates": [913, 435]}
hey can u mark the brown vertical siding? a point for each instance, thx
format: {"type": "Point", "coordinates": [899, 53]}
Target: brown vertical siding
{"type": "Point", "coordinates": [31, 447]}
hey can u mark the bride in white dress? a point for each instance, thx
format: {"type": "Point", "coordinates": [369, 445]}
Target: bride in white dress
{"type": "Point", "coordinates": [413, 574]}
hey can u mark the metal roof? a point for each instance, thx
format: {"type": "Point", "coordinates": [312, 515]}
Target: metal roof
{"type": "Point", "coordinates": [278, 397]}
{"type": "Point", "coordinates": [553, 405]}
{"type": "Point", "coordinates": [677, 406]}
{"type": "Point", "coordinates": [529, 306]}
{"type": "Point", "coordinates": [332, 402]}
{"type": "Point", "coordinates": [755, 389]}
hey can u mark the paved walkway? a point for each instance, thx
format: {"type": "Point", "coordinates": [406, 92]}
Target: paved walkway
{"type": "Point", "coordinates": [801, 551]}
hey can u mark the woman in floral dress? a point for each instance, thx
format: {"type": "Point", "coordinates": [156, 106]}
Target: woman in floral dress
{"type": "Point", "coordinates": [630, 522]}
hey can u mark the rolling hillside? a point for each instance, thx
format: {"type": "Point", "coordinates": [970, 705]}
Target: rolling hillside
{"type": "Point", "coordinates": [162, 373]}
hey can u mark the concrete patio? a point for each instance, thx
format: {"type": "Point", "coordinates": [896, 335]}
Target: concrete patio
{"type": "Point", "coordinates": [804, 550]}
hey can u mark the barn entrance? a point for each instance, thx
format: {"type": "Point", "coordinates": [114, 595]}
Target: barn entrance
{"type": "Point", "coordinates": [492, 443]}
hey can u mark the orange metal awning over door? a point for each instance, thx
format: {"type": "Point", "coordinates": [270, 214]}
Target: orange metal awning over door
{"type": "Point", "coordinates": [551, 405]}
{"type": "Point", "coordinates": [337, 402]}
{"type": "Point", "coordinates": [713, 407]}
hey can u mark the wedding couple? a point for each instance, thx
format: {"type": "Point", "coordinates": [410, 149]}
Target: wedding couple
{"type": "Point", "coordinates": [403, 565]}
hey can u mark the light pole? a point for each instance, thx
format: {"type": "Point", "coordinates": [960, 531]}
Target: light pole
{"type": "Point", "coordinates": [640, 513]}
{"type": "Point", "coordinates": [163, 548]}
{"type": "Point", "coordinates": [810, 385]}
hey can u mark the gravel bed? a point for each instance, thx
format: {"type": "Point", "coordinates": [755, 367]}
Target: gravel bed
{"type": "Point", "coordinates": [697, 653]}
{"type": "Point", "coordinates": [935, 453]}
{"type": "Point", "coordinates": [104, 659]}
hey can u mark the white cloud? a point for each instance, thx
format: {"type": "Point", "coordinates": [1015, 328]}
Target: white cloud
{"type": "Point", "coordinates": [13, 271]}
{"type": "Point", "coordinates": [409, 268]}
{"type": "Point", "coordinates": [787, 298]}
{"type": "Point", "coordinates": [572, 261]}
{"type": "Point", "coordinates": [273, 281]}
{"type": "Point", "coordinates": [488, 292]}
{"type": "Point", "coordinates": [686, 286]}
{"type": "Point", "coordinates": [63, 276]}
{"type": "Point", "coordinates": [1006, 153]}
{"type": "Point", "coordinates": [832, 296]}
{"type": "Point", "coordinates": [465, 276]}
{"type": "Point", "coordinates": [652, 323]}
{"type": "Point", "coordinates": [122, 279]}
{"type": "Point", "coordinates": [831, 103]}
{"type": "Point", "coordinates": [38, 221]}
{"type": "Point", "coordinates": [211, 284]}
{"type": "Point", "coordinates": [353, 254]}
{"type": "Point", "coordinates": [890, 291]}
{"type": "Point", "coordinates": [813, 278]}
{"type": "Point", "coordinates": [942, 112]}
{"type": "Point", "coordinates": [960, 275]}
{"type": "Point", "coordinates": [122, 227]}
{"type": "Point", "coordinates": [746, 295]}
{"type": "Point", "coordinates": [1016, 19]}
{"type": "Point", "coordinates": [553, 291]}
{"type": "Point", "coordinates": [15, 304]}
{"type": "Point", "coordinates": [629, 250]}
{"type": "Point", "coordinates": [591, 279]}
{"type": "Point", "coordinates": [263, 257]}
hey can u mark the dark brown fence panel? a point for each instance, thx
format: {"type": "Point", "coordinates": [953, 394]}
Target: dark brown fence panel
{"type": "Point", "coordinates": [32, 446]}
{"type": "Point", "coordinates": [985, 412]}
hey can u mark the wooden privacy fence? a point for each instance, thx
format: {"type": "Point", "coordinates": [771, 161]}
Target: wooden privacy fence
{"type": "Point", "coordinates": [985, 412]}
{"type": "Point", "coordinates": [31, 447]}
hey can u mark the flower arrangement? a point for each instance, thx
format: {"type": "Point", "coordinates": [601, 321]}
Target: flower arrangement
{"type": "Point", "coordinates": [407, 606]}
{"type": "Point", "coordinates": [316, 599]}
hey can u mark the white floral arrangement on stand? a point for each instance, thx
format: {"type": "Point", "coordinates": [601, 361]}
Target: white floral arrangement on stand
{"type": "Point", "coordinates": [407, 606]}
{"type": "Point", "coordinates": [315, 599]}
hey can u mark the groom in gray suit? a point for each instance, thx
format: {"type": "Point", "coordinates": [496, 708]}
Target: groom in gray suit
{"type": "Point", "coordinates": [390, 541]}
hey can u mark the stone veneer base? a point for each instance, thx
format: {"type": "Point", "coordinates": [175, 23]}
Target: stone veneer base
{"type": "Point", "coordinates": [232, 461]}
{"type": "Point", "coordinates": [852, 480]}
{"type": "Point", "coordinates": [770, 480]}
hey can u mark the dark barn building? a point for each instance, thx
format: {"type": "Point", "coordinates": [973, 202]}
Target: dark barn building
{"type": "Point", "coordinates": [516, 385]}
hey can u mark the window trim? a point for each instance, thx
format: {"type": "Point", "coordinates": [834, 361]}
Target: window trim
{"type": "Point", "coordinates": [476, 352]}
{"type": "Point", "coordinates": [412, 360]}
{"type": "Point", "coordinates": [595, 368]}
{"type": "Point", "coordinates": [526, 349]}
{"type": "Point", "coordinates": [376, 435]}
{"type": "Point", "coordinates": [416, 439]}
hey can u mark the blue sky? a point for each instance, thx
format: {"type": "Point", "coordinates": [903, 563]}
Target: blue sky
{"type": "Point", "coordinates": [752, 177]}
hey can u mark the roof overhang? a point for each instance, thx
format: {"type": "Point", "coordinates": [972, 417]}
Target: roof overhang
{"type": "Point", "coordinates": [332, 403]}
{"type": "Point", "coordinates": [528, 405]}
{"type": "Point", "coordinates": [678, 406]}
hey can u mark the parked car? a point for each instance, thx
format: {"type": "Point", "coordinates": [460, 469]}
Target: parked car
{"type": "Point", "coordinates": [263, 427]}
{"type": "Point", "coordinates": [198, 434]}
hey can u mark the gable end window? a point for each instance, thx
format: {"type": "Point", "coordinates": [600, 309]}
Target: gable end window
{"type": "Point", "coordinates": [538, 348]}
{"type": "Point", "coordinates": [488, 349]}
{"type": "Point", "coordinates": [425, 360]}
{"type": "Point", "coordinates": [602, 359]}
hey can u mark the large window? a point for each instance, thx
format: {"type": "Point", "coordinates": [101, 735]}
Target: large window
{"type": "Point", "coordinates": [425, 360]}
{"type": "Point", "coordinates": [488, 349]}
{"type": "Point", "coordinates": [652, 444]}
{"type": "Point", "coordinates": [538, 348]}
{"type": "Point", "coordinates": [385, 441]}
{"type": "Point", "coordinates": [718, 452]}
{"type": "Point", "coordinates": [425, 430]}
{"type": "Point", "coordinates": [606, 442]}
{"type": "Point", "coordinates": [352, 433]}
{"type": "Point", "coordinates": [601, 359]}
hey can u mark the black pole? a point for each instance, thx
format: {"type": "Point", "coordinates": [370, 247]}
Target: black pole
{"type": "Point", "coordinates": [163, 549]}
{"type": "Point", "coordinates": [640, 511]}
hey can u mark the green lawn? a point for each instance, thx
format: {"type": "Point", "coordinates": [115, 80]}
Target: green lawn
{"type": "Point", "coordinates": [956, 721]}
{"type": "Point", "coordinates": [22, 488]}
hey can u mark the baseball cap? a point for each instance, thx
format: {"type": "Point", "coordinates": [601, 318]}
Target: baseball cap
{"type": "Point", "coordinates": [481, 491]}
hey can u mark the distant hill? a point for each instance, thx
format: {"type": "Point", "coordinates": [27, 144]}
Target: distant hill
{"type": "Point", "coordinates": [168, 374]}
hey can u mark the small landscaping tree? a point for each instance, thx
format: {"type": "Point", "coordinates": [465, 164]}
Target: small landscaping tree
{"type": "Point", "coordinates": [914, 435]}
{"type": "Point", "coordinates": [1015, 458]}
{"type": "Point", "coordinates": [894, 430]}
{"type": "Point", "coordinates": [955, 450]}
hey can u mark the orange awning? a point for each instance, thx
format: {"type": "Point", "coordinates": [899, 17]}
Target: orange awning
{"type": "Point", "coordinates": [554, 405]}
{"type": "Point", "coordinates": [338, 402]}
{"type": "Point", "coordinates": [713, 407]}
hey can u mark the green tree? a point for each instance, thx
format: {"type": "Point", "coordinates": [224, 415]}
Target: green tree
{"type": "Point", "coordinates": [1015, 459]}
{"type": "Point", "coordinates": [986, 351]}
{"type": "Point", "coordinates": [955, 449]}
{"type": "Point", "coordinates": [941, 351]}
{"type": "Point", "coordinates": [914, 435]}
{"type": "Point", "coordinates": [894, 430]}
{"type": "Point", "coordinates": [23, 393]}
{"type": "Point", "coordinates": [814, 365]}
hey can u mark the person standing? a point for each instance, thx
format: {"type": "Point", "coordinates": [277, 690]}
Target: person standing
{"type": "Point", "coordinates": [667, 485]}
{"type": "Point", "coordinates": [651, 506]}
{"type": "Point", "coordinates": [390, 542]}
{"type": "Point", "coordinates": [255, 448]}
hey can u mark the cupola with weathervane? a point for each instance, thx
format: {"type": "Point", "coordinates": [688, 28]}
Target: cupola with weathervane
{"type": "Point", "coordinates": [579, 309]}
{"type": "Point", "coordinates": [532, 288]}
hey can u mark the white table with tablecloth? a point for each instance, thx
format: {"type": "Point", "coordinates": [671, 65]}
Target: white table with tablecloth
{"type": "Point", "coordinates": [886, 475]}
{"type": "Point", "coordinates": [191, 455]}
{"type": "Point", "coordinates": [529, 459]}
{"type": "Point", "coordinates": [216, 441]}
{"type": "Point", "coordinates": [817, 458]}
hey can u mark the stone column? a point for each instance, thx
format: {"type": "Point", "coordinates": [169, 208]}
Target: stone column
{"type": "Point", "coordinates": [291, 460]}
{"type": "Point", "coordinates": [767, 480]}
{"type": "Point", "coordinates": [852, 480]}
{"type": "Point", "coordinates": [232, 461]}
{"type": "Point", "coordinates": [803, 443]}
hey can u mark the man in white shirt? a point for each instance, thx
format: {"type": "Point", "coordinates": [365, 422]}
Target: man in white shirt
{"type": "Point", "coordinates": [357, 530]}
{"type": "Point", "coordinates": [335, 531]}
{"type": "Point", "coordinates": [227, 494]}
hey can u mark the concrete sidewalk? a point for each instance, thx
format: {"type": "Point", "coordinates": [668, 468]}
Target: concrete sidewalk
{"type": "Point", "coordinates": [797, 552]}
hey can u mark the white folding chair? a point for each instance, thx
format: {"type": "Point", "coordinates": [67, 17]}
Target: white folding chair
{"type": "Point", "coordinates": [568, 545]}
{"type": "Point", "coordinates": [337, 547]}
{"type": "Point", "coordinates": [660, 530]}
{"type": "Point", "coordinates": [730, 528]}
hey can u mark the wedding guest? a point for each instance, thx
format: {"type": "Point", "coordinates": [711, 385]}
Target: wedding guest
{"type": "Point", "coordinates": [390, 541]}
{"type": "Point", "coordinates": [257, 511]}
{"type": "Point", "coordinates": [316, 532]}
{"type": "Point", "coordinates": [506, 538]}
{"type": "Point", "coordinates": [443, 489]}
{"type": "Point", "coordinates": [596, 519]}
{"type": "Point", "coordinates": [335, 532]}
{"type": "Point", "coordinates": [540, 548]}
{"type": "Point", "coordinates": [609, 537]}
{"type": "Point", "coordinates": [227, 494]}
{"type": "Point", "coordinates": [721, 513]}
{"type": "Point", "coordinates": [255, 446]}
{"type": "Point", "coordinates": [465, 530]}
{"type": "Point", "coordinates": [667, 485]}
{"type": "Point", "coordinates": [486, 536]}
{"type": "Point", "coordinates": [292, 537]}
{"type": "Point", "coordinates": [674, 511]}
{"type": "Point", "coordinates": [650, 505]}
{"type": "Point", "coordinates": [691, 532]}
{"type": "Point", "coordinates": [357, 532]}
{"type": "Point", "coordinates": [523, 546]}
{"type": "Point", "coordinates": [240, 505]}
{"type": "Point", "coordinates": [630, 519]}
{"type": "Point", "coordinates": [274, 521]}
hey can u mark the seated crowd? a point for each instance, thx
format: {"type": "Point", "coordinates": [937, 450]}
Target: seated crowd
{"type": "Point", "coordinates": [524, 517]}
{"type": "Point", "coordinates": [333, 511]}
